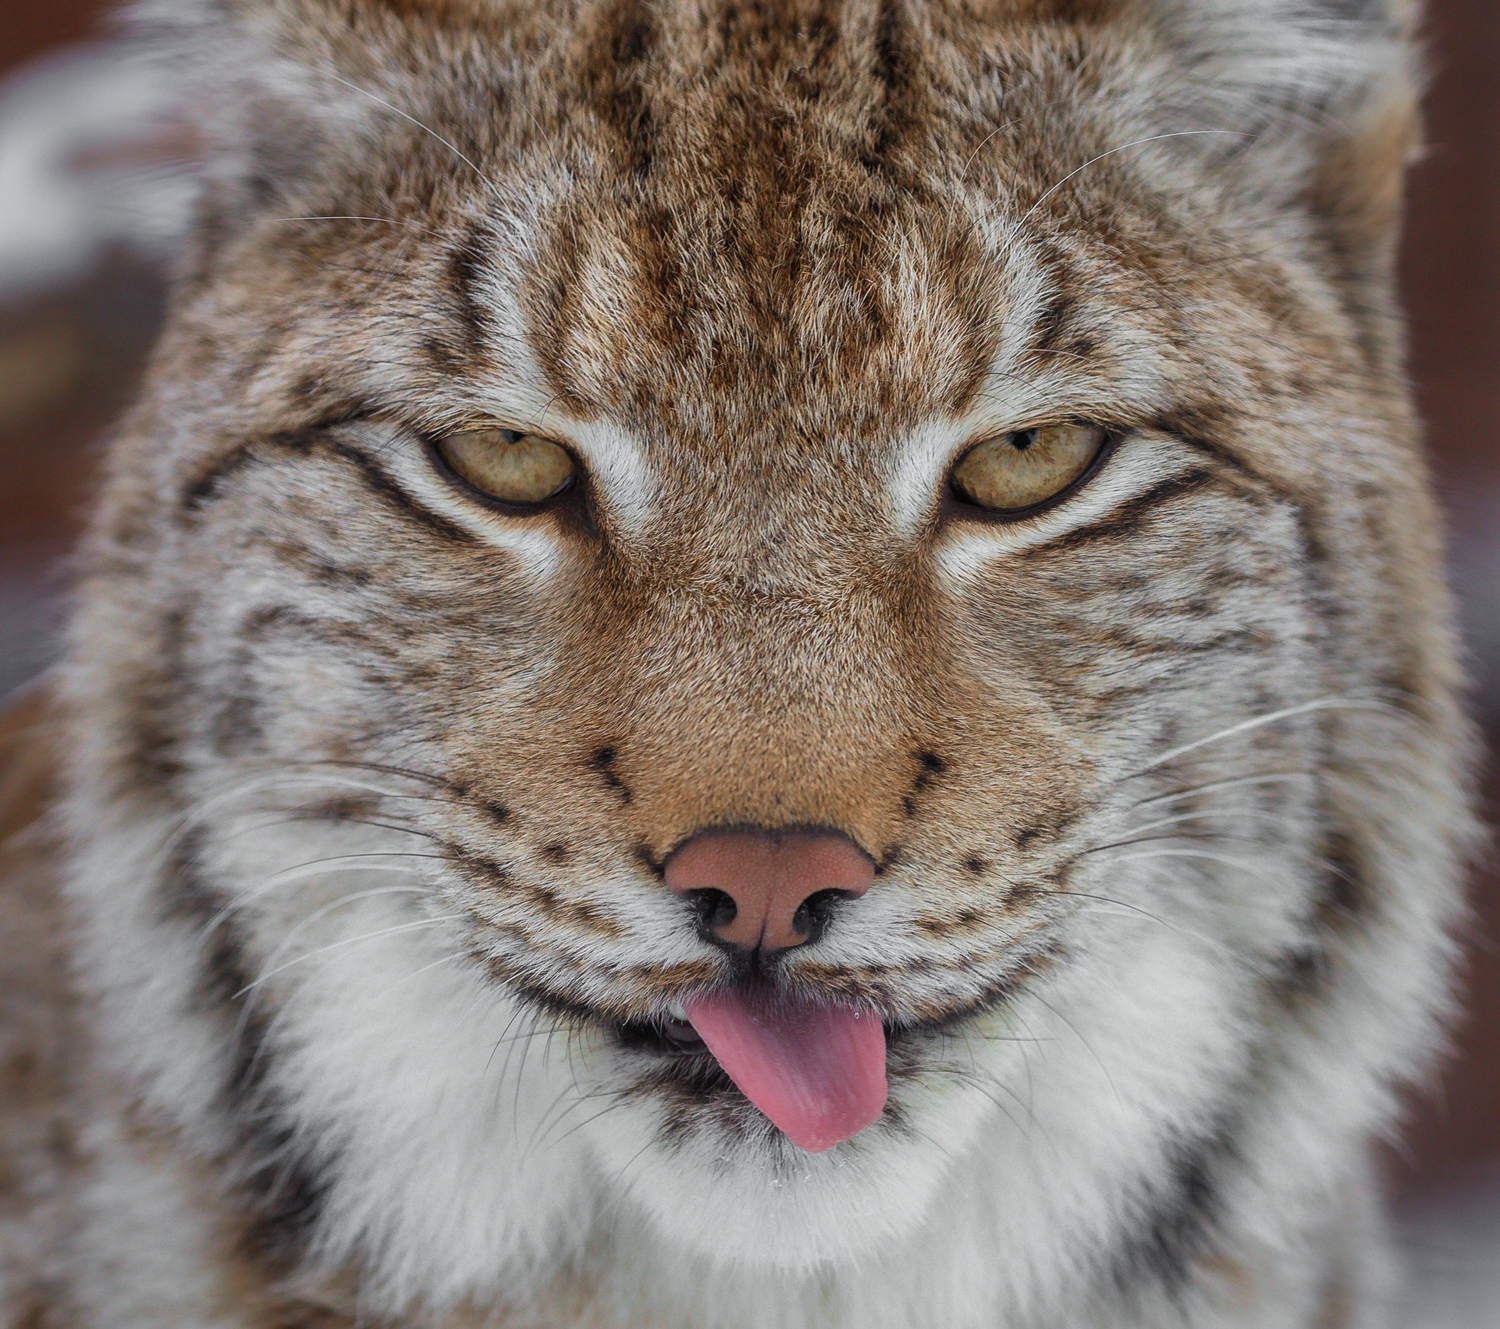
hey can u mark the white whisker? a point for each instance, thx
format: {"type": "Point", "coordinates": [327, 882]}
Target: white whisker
{"type": "Point", "coordinates": [426, 129]}
{"type": "Point", "coordinates": [348, 941]}
{"type": "Point", "coordinates": [1271, 777]}
{"type": "Point", "coordinates": [323, 866]}
{"type": "Point", "coordinates": [1344, 701]}
{"type": "Point", "coordinates": [1089, 903]}
{"type": "Point", "coordinates": [1204, 814]}
{"type": "Point", "coordinates": [1134, 143]}
{"type": "Point", "coordinates": [389, 221]}
{"type": "Point", "coordinates": [1255, 869]}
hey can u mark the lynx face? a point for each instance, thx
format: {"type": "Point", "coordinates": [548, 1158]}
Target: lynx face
{"type": "Point", "coordinates": [886, 530]}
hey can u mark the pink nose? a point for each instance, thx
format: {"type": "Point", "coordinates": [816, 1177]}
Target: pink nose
{"type": "Point", "coordinates": [768, 889]}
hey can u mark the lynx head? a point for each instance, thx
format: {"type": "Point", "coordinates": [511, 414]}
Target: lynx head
{"type": "Point", "coordinates": [840, 567]}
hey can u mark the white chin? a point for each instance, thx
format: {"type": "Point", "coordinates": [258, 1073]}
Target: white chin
{"type": "Point", "coordinates": [753, 1199]}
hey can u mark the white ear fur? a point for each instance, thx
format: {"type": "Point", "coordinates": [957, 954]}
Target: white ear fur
{"type": "Point", "coordinates": [1285, 64]}
{"type": "Point", "coordinates": [1306, 103]}
{"type": "Point", "coordinates": [265, 83]}
{"type": "Point", "coordinates": [1312, 108]}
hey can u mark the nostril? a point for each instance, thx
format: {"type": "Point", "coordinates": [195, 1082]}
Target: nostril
{"type": "Point", "coordinates": [714, 909]}
{"type": "Point", "coordinates": [816, 912]}
{"type": "Point", "coordinates": [752, 889]}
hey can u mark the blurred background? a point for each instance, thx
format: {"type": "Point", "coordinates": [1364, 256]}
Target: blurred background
{"type": "Point", "coordinates": [90, 206]}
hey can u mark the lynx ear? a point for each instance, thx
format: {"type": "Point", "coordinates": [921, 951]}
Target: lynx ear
{"type": "Point", "coordinates": [278, 90]}
{"type": "Point", "coordinates": [1314, 104]}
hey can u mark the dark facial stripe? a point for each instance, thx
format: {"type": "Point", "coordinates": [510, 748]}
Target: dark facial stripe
{"type": "Point", "coordinates": [1185, 1207]}
{"type": "Point", "coordinates": [211, 483]}
{"type": "Point", "coordinates": [490, 876]}
{"type": "Point", "coordinates": [202, 491]}
{"type": "Point", "coordinates": [892, 72]}
{"type": "Point", "coordinates": [1202, 427]}
{"type": "Point", "coordinates": [156, 701]}
{"type": "Point", "coordinates": [282, 1185]}
{"type": "Point", "coordinates": [1344, 901]}
{"type": "Point", "coordinates": [1052, 325]}
{"type": "Point", "coordinates": [397, 498]}
{"type": "Point", "coordinates": [1130, 516]}
{"type": "Point", "coordinates": [624, 45]}
{"type": "Point", "coordinates": [464, 267]}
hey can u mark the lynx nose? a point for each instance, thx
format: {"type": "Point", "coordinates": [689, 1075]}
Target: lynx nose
{"type": "Point", "coordinates": [768, 890]}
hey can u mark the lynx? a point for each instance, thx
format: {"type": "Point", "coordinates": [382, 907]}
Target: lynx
{"type": "Point", "coordinates": [748, 664]}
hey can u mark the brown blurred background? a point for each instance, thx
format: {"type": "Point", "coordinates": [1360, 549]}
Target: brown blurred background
{"type": "Point", "coordinates": [77, 312]}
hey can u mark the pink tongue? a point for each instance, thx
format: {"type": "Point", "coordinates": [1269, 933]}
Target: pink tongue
{"type": "Point", "coordinates": [818, 1072]}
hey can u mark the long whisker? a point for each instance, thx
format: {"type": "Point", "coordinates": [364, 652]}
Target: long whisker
{"type": "Point", "coordinates": [247, 1009]}
{"type": "Point", "coordinates": [568, 1100]}
{"type": "Point", "coordinates": [1029, 1105]}
{"type": "Point", "coordinates": [1129, 908]}
{"type": "Point", "coordinates": [1025, 1058]}
{"type": "Point", "coordinates": [607, 1213]}
{"type": "Point", "coordinates": [317, 867]}
{"type": "Point", "coordinates": [417, 973]}
{"type": "Point", "coordinates": [979, 1082]}
{"type": "Point", "coordinates": [426, 129]}
{"type": "Point", "coordinates": [349, 783]}
{"type": "Point", "coordinates": [380, 768]}
{"type": "Point", "coordinates": [1083, 1042]}
{"type": "Point", "coordinates": [1255, 869]}
{"type": "Point", "coordinates": [1135, 143]}
{"type": "Point", "coordinates": [342, 902]}
{"type": "Point", "coordinates": [1272, 777]}
{"type": "Point", "coordinates": [1171, 838]}
{"type": "Point", "coordinates": [272, 1028]}
{"type": "Point", "coordinates": [515, 1105]}
{"type": "Point", "coordinates": [389, 221]}
{"type": "Point", "coordinates": [615, 1096]}
{"type": "Point", "coordinates": [347, 941]}
{"type": "Point", "coordinates": [1206, 814]}
{"type": "Point", "coordinates": [1343, 701]}
{"type": "Point", "coordinates": [962, 177]}
{"type": "Point", "coordinates": [194, 815]}
{"type": "Point", "coordinates": [276, 821]}
{"type": "Point", "coordinates": [295, 816]}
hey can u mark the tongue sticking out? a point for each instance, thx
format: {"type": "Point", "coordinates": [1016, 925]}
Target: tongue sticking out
{"type": "Point", "coordinates": [818, 1072]}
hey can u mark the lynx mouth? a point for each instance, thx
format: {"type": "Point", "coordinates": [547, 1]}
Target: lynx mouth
{"type": "Point", "coordinates": [816, 1101]}
{"type": "Point", "coordinates": [673, 1038]}
{"type": "Point", "coordinates": [817, 1072]}
{"type": "Point", "coordinates": [668, 1037]}
{"type": "Point", "coordinates": [815, 1068]}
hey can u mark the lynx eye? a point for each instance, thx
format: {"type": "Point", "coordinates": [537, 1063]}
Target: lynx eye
{"type": "Point", "coordinates": [507, 465]}
{"type": "Point", "coordinates": [1013, 473]}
